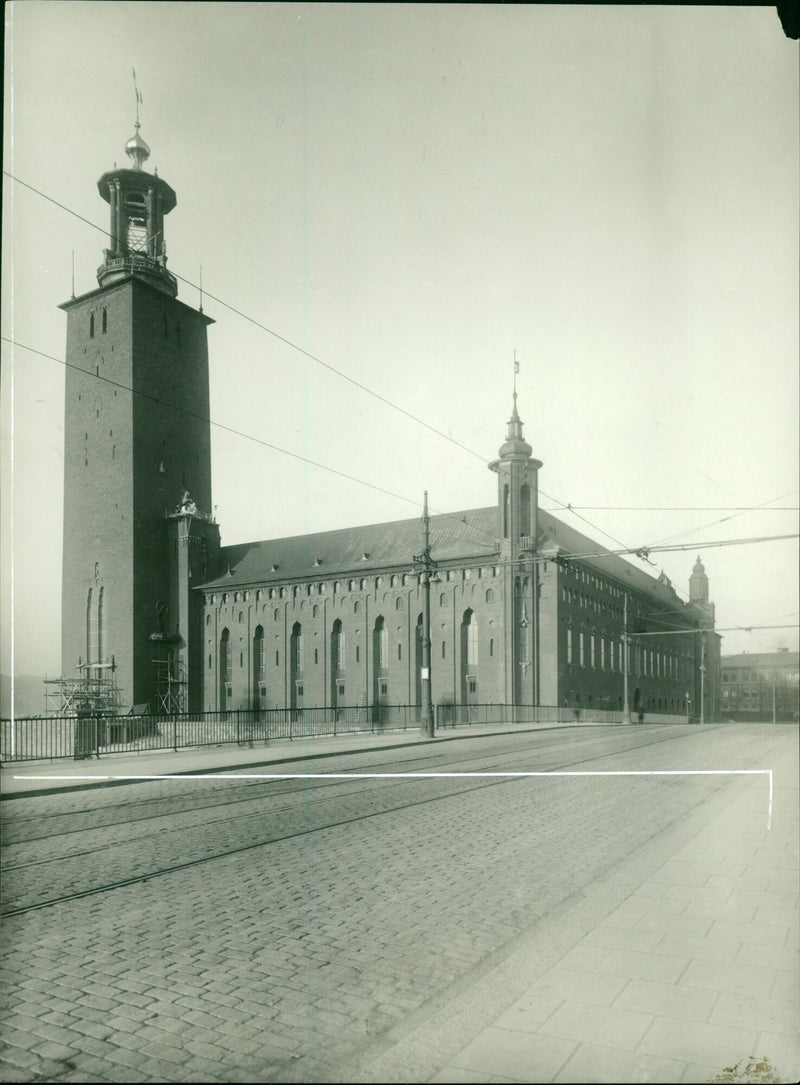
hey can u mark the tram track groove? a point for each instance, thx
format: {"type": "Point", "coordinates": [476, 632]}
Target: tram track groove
{"type": "Point", "coordinates": [501, 763]}
{"type": "Point", "coordinates": [266, 784]}
{"type": "Point", "coordinates": [313, 785]}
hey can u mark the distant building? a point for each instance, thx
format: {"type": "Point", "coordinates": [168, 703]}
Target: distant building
{"type": "Point", "coordinates": [524, 610]}
{"type": "Point", "coordinates": [755, 682]}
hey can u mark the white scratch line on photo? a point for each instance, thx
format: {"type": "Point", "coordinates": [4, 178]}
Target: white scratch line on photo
{"type": "Point", "coordinates": [420, 776]}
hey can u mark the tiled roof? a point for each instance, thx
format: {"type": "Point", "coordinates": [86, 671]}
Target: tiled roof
{"type": "Point", "coordinates": [762, 659]}
{"type": "Point", "coordinates": [355, 550]}
{"type": "Point", "coordinates": [455, 537]}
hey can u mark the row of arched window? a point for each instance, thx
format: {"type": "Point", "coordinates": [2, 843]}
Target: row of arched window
{"type": "Point", "coordinates": [338, 640]}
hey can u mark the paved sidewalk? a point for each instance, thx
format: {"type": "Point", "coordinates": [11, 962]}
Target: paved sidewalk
{"type": "Point", "coordinates": [26, 778]}
{"type": "Point", "coordinates": [681, 966]}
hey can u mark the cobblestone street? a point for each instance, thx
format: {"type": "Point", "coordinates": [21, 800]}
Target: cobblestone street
{"type": "Point", "coordinates": [285, 929]}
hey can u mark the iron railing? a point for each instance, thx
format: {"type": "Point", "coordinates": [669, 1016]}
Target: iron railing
{"type": "Point", "coordinates": [85, 736]}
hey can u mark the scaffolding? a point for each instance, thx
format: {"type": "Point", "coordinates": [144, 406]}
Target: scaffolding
{"type": "Point", "coordinates": [171, 686]}
{"type": "Point", "coordinates": [93, 690]}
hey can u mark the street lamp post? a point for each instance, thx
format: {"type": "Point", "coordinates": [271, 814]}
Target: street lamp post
{"type": "Point", "coordinates": [425, 568]}
{"type": "Point", "coordinates": [626, 711]}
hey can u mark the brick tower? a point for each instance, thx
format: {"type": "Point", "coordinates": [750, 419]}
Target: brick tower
{"type": "Point", "coordinates": [517, 528]}
{"type": "Point", "coordinates": [137, 460]}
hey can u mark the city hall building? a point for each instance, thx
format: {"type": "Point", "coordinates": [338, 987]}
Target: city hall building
{"type": "Point", "coordinates": [524, 609]}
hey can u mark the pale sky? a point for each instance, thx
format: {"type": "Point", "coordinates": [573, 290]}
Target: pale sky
{"type": "Point", "coordinates": [412, 193]}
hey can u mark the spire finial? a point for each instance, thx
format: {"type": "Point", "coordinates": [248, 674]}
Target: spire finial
{"type": "Point", "coordinates": [136, 148]}
{"type": "Point", "coordinates": [138, 97]}
{"type": "Point", "coordinates": [514, 414]}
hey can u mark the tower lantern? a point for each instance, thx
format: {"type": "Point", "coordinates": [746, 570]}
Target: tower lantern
{"type": "Point", "coordinates": [138, 201]}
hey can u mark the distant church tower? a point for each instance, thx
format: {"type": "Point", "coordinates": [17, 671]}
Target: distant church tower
{"type": "Point", "coordinates": [517, 527]}
{"type": "Point", "coordinates": [137, 460]}
{"type": "Point", "coordinates": [698, 594]}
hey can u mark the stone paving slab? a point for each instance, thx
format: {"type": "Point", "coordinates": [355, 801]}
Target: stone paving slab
{"type": "Point", "coordinates": [591, 997]}
{"type": "Point", "coordinates": [694, 971]}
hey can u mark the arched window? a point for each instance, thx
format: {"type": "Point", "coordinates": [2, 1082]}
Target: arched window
{"type": "Point", "coordinates": [101, 626]}
{"type": "Point", "coordinates": [398, 603]}
{"type": "Point", "coordinates": [471, 622]}
{"type": "Point", "coordinates": [569, 644]}
{"type": "Point", "coordinates": [469, 656]}
{"type": "Point", "coordinates": [225, 668]}
{"type": "Point", "coordinates": [91, 646]}
{"type": "Point", "coordinates": [443, 599]}
{"type": "Point", "coordinates": [105, 320]}
{"type": "Point", "coordinates": [297, 648]}
{"type": "Point", "coordinates": [490, 595]}
{"type": "Point", "coordinates": [338, 647]}
{"type": "Point", "coordinates": [393, 580]}
{"type": "Point", "coordinates": [91, 325]}
{"type": "Point", "coordinates": [356, 607]}
{"type": "Point", "coordinates": [505, 511]}
{"type": "Point", "coordinates": [593, 649]}
{"type": "Point", "coordinates": [258, 655]}
{"type": "Point", "coordinates": [525, 510]}
{"type": "Point", "coordinates": [241, 617]}
{"type": "Point", "coordinates": [381, 644]}
{"type": "Point", "coordinates": [315, 611]}
{"type": "Point", "coordinates": [582, 648]}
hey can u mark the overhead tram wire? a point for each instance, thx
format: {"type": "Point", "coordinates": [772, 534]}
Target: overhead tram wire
{"type": "Point", "coordinates": [641, 551]}
{"type": "Point", "coordinates": [763, 506]}
{"type": "Point", "coordinates": [562, 506]}
{"type": "Point", "coordinates": [294, 346]}
{"type": "Point", "coordinates": [241, 433]}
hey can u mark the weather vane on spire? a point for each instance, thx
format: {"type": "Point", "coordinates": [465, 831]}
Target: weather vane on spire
{"type": "Point", "coordinates": [138, 94]}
